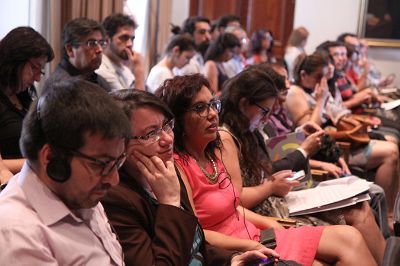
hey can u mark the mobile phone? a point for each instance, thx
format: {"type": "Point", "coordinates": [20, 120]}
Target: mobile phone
{"type": "Point", "coordinates": [298, 175]}
{"type": "Point", "coordinates": [266, 262]}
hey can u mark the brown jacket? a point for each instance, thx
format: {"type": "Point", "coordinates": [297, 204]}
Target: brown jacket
{"type": "Point", "coordinates": [155, 234]}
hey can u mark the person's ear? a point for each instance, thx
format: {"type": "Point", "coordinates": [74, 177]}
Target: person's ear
{"type": "Point", "coordinates": [302, 74]}
{"type": "Point", "coordinates": [69, 50]}
{"type": "Point", "coordinates": [176, 51]}
{"type": "Point", "coordinates": [45, 155]}
{"type": "Point", "coordinates": [243, 104]}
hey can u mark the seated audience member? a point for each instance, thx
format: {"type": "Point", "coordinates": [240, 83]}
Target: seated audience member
{"type": "Point", "coordinates": [149, 209]}
{"type": "Point", "coordinates": [247, 162]}
{"type": "Point", "coordinates": [238, 61]}
{"type": "Point", "coordinates": [261, 43]}
{"type": "Point", "coordinates": [180, 49]}
{"type": "Point", "coordinates": [295, 47]}
{"type": "Point", "coordinates": [83, 41]}
{"type": "Point", "coordinates": [23, 55]}
{"type": "Point", "coordinates": [310, 100]}
{"type": "Point", "coordinates": [74, 140]}
{"type": "Point", "coordinates": [199, 28]}
{"type": "Point", "coordinates": [226, 21]}
{"type": "Point", "coordinates": [227, 224]}
{"type": "Point", "coordinates": [219, 52]}
{"type": "Point", "coordinates": [121, 67]}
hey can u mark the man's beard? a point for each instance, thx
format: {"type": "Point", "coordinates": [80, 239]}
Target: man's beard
{"type": "Point", "coordinates": [121, 54]}
{"type": "Point", "coordinates": [202, 47]}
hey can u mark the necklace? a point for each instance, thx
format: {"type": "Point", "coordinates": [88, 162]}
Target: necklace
{"type": "Point", "coordinates": [211, 178]}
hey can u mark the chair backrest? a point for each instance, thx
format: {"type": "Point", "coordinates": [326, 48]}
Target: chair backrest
{"type": "Point", "coordinates": [392, 252]}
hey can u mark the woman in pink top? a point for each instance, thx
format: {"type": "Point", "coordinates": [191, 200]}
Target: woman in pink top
{"type": "Point", "coordinates": [227, 224]}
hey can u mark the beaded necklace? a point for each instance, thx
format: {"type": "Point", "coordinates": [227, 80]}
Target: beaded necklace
{"type": "Point", "coordinates": [211, 178]}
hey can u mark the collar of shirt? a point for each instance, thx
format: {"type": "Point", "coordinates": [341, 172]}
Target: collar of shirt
{"type": "Point", "coordinates": [48, 206]}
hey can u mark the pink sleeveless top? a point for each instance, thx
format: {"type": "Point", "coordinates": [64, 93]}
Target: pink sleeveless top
{"type": "Point", "coordinates": [216, 204]}
{"type": "Point", "coordinates": [215, 209]}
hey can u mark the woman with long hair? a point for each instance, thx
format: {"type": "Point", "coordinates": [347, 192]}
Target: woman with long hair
{"type": "Point", "coordinates": [23, 55]}
{"type": "Point", "coordinates": [215, 199]}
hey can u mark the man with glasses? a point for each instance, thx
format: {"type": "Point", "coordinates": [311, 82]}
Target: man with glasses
{"type": "Point", "coordinates": [74, 140]}
{"type": "Point", "coordinates": [83, 41]}
{"type": "Point", "coordinates": [121, 67]}
{"type": "Point", "coordinates": [199, 28]}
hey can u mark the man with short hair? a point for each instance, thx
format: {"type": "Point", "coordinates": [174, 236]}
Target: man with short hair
{"type": "Point", "coordinates": [74, 140]}
{"type": "Point", "coordinates": [83, 41]}
{"type": "Point", "coordinates": [121, 67]}
{"type": "Point", "coordinates": [199, 28]}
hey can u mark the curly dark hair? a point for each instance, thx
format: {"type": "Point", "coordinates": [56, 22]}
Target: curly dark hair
{"type": "Point", "coordinates": [254, 85]}
{"type": "Point", "coordinates": [115, 21]}
{"type": "Point", "coordinates": [178, 93]}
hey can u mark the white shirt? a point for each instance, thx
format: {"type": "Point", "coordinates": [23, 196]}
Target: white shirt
{"type": "Point", "coordinates": [195, 66]}
{"type": "Point", "coordinates": [118, 77]}
{"type": "Point", "coordinates": [37, 228]}
{"type": "Point", "coordinates": [158, 74]}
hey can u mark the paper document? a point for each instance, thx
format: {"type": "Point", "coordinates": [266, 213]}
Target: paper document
{"type": "Point", "coordinates": [390, 105]}
{"type": "Point", "coordinates": [328, 195]}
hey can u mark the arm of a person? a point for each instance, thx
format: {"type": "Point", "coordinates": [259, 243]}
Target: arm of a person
{"type": "Point", "coordinates": [249, 196]}
{"type": "Point", "coordinates": [299, 109]}
{"type": "Point", "coordinates": [14, 165]}
{"type": "Point", "coordinates": [358, 99]}
{"type": "Point", "coordinates": [137, 68]}
{"type": "Point", "coordinates": [129, 217]}
{"type": "Point", "coordinates": [294, 160]}
{"type": "Point", "coordinates": [260, 221]}
{"type": "Point", "coordinates": [5, 172]}
{"type": "Point", "coordinates": [229, 242]}
{"type": "Point", "coordinates": [211, 73]}
{"type": "Point", "coordinates": [24, 246]}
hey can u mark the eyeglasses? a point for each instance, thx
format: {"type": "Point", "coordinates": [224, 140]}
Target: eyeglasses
{"type": "Point", "coordinates": [92, 44]}
{"type": "Point", "coordinates": [106, 167]}
{"type": "Point", "coordinates": [264, 111]}
{"type": "Point", "coordinates": [155, 135]}
{"type": "Point", "coordinates": [126, 37]}
{"type": "Point", "coordinates": [36, 69]}
{"type": "Point", "coordinates": [203, 109]}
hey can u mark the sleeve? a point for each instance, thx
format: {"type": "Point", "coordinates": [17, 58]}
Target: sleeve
{"type": "Point", "coordinates": [28, 247]}
{"type": "Point", "coordinates": [161, 238]}
{"type": "Point", "coordinates": [156, 77]}
{"type": "Point", "coordinates": [294, 160]}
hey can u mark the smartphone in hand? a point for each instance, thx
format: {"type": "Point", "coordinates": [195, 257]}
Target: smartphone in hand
{"type": "Point", "coordinates": [297, 176]}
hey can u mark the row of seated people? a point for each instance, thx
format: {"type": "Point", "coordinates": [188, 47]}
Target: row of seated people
{"type": "Point", "coordinates": [29, 69]}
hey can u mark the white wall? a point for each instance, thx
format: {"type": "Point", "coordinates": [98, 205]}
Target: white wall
{"type": "Point", "coordinates": [13, 14]}
{"type": "Point", "coordinates": [326, 19]}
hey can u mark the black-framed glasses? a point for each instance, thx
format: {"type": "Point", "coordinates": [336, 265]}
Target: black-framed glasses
{"type": "Point", "coordinates": [203, 109]}
{"type": "Point", "coordinates": [93, 44]}
{"type": "Point", "coordinates": [155, 135]}
{"type": "Point", "coordinates": [126, 37]}
{"type": "Point", "coordinates": [106, 167]}
{"type": "Point", "coordinates": [36, 68]}
{"type": "Point", "coordinates": [264, 110]}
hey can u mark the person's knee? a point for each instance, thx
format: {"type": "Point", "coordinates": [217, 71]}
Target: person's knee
{"type": "Point", "coordinates": [348, 237]}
